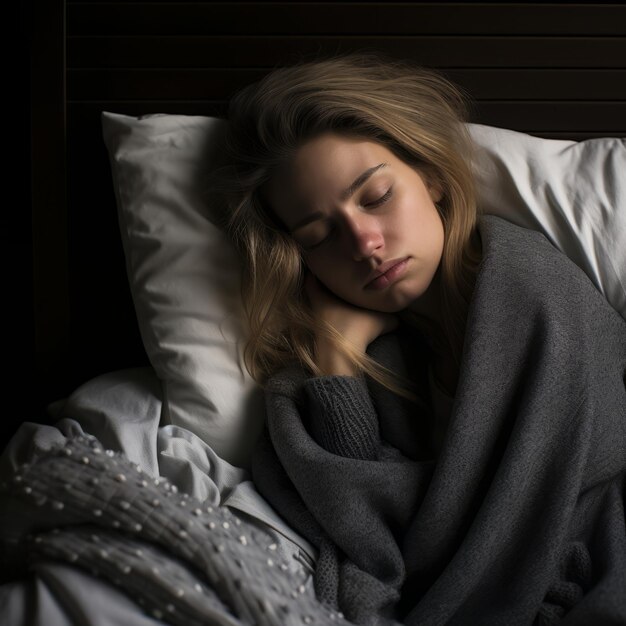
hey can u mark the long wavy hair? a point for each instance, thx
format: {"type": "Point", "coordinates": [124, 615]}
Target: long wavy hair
{"type": "Point", "coordinates": [414, 112]}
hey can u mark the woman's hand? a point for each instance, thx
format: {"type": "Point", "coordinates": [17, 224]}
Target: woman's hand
{"type": "Point", "coordinates": [358, 325]}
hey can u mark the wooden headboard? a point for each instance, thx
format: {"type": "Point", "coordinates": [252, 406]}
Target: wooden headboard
{"type": "Point", "coordinates": [550, 69]}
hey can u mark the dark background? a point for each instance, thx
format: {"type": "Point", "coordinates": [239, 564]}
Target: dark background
{"type": "Point", "coordinates": [555, 70]}
{"type": "Point", "coordinates": [15, 229]}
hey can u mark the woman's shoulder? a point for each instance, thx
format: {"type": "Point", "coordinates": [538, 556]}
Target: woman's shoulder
{"type": "Point", "coordinates": [523, 271]}
{"type": "Point", "coordinates": [517, 246]}
{"type": "Point", "coordinates": [525, 259]}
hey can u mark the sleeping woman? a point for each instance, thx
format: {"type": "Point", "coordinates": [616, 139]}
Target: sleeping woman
{"type": "Point", "coordinates": [445, 392]}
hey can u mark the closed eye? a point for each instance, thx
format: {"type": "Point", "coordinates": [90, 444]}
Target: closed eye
{"type": "Point", "coordinates": [382, 199]}
{"type": "Point", "coordinates": [374, 204]}
{"type": "Point", "coordinates": [319, 243]}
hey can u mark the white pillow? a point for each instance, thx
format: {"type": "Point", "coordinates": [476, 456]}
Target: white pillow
{"type": "Point", "coordinates": [184, 274]}
{"type": "Point", "coordinates": [573, 192]}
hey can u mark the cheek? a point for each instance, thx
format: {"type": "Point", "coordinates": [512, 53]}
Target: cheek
{"type": "Point", "coordinates": [319, 265]}
{"type": "Point", "coordinates": [332, 273]}
{"type": "Point", "coordinates": [428, 223]}
{"type": "Point", "coordinates": [410, 216]}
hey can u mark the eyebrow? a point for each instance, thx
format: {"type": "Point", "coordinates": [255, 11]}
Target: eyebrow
{"type": "Point", "coordinates": [347, 193]}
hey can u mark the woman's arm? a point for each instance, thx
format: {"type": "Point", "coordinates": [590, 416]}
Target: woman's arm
{"type": "Point", "coordinates": [331, 361]}
{"type": "Point", "coordinates": [357, 325]}
{"type": "Point", "coordinates": [341, 416]}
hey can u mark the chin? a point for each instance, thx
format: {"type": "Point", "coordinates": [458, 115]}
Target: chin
{"type": "Point", "coordinates": [393, 302]}
{"type": "Point", "coordinates": [407, 294]}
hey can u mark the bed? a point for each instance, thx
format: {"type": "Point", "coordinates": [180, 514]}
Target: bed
{"type": "Point", "coordinates": [139, 352]}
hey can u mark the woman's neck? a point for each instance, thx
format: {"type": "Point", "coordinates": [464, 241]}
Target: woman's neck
{"type": "Point", "coordinates": [425, 313]}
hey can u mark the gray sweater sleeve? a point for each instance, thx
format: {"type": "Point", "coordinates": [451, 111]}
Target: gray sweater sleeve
{"type": "Point", "coordinates": [343, 419]}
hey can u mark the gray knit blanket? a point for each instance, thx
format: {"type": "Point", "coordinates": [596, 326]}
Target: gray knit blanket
{"type": "Point", "coordinates": [519, 519]}
{"type": "Point", "coordinates": [184, 562]}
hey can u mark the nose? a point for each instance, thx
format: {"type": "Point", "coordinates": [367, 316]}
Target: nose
{"type": "Point", "coordinates": [364, 236]}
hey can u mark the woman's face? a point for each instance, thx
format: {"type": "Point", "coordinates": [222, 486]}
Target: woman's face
{"type": "Point", "coordinates": [358, 211]}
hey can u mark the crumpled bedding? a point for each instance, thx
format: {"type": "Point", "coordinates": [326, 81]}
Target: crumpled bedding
{"type": "Point", "coordinates": [65, 579]}
{"type": "Point", "coordinates": [186, 562]}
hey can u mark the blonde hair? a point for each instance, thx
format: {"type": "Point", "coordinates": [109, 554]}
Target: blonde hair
{"type": "Point", "coordinates": [415, 113]}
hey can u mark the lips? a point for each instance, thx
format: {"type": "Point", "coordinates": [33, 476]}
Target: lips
{"type": "Point", "coordinates": [386, 273]}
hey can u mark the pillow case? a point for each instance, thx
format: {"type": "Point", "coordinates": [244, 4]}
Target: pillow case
{"type": "Point", "coordinates": [184, 274]}
{"type": "Point", "coordinates": [573, 192]}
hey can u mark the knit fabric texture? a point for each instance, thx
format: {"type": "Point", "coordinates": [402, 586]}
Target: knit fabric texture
{"type": "Point", "coordinates": [355, 433]}
{"type": "Point", "coordinates": [519, 519]}
{"type": "Point", "coordinates": [183, 561]}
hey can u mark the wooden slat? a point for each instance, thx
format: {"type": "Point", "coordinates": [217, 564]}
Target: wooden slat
{"type": "Point", "coordinates": [606, 118]}
{"type": "Point", "coordinates": [542, 84]}
{"type": "Point", "coordinates": [600, 118]}
{"type": "Point", "coordinates": [345, 18]}
{"type": "Point", "coordinates": [355, 2]}
{"type": "Point", "coordinates": [512, 84]}
{"type": "Point", "coordinates": [267, 52]}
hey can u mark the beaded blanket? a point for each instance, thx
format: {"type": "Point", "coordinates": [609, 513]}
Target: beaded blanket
{"type": "Point", "coordinates": [184, 562]}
